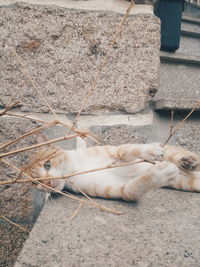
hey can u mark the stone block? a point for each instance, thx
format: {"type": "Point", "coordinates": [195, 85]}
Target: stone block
{"type": "Point", "coordinates": [16, 199]}
{"type": "Point", "coordinates": [117, 135]}
{"type": "Point", "coordinates": [62, 49]}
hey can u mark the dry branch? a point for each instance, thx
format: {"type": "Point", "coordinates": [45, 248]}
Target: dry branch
{"type": "Point", "coordinates": [93, 203]}
{"type": "Point", "coordinates": [181, 123]}
{"type": "Point", "coordinates": [36, 130]}
{"type": "Point", "coordinates": [75, 173]}
{"type": "Point", "coordinates": [39, 145]}
{"type": "Point", "coordinates": [104, 62]}
{"type": "Point", "coordinates": [13, 223]}
{"type": "Point", "coordinates": [3, 112]}
{"type": "Point", "coordinates": [89, 135]}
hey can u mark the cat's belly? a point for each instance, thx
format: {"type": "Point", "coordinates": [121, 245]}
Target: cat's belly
{"type": "Point", "coordinates": [105, 178]}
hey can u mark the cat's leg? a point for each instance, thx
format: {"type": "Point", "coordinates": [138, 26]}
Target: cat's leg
{"type": "Point", "coordinates": [160, 174]}
{"type": "Point", "coordinates": [188, 181]}
{"type": "Point", "coordinates": [150, 152]}
{"type": "Point", "coordinates": [184, 159]}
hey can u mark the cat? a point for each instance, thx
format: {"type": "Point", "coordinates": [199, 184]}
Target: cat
{"type": "Point", "coordinates": [169, 166]}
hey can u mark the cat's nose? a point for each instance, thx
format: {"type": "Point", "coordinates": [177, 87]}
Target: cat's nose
{"type": "Point", "coordinates": [47, 182]}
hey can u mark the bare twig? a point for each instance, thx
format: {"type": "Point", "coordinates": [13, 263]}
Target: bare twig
{"type": "Point", "coordinates": [15, 94]}
{"type": "Point", "coordinates": [3, 112]}
{"type": "Point", "coordinates": [76, 212]}
{"type": "Point", "coordinates": [30, 179]}
{"type": "Point", "coordinates": [13, 223]}
{"type": "Point", "coordinates": [39, 145]}
{"type": "Point", "coordinates": [181, 123]}
{"type": "Point", "coordinates": [36, 130]}
{"type": "Point", "coordinates": [29, 78]}
{"type": "Point", "coordinates": [75, 173]}
{"type": "Point", "coordinates": [171, 122]}
{"type": "Point", "coordinates": [90, 135]}
{"type": "Point", "coordinates": [103, 63]}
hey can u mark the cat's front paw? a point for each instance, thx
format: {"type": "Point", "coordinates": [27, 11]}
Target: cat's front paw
{"type": "Point", "coordinates": [153, 152]}
{"type": "Point", "coordinates": [188, 163]}
{"type": "Point", "coordinates": [164, 173]}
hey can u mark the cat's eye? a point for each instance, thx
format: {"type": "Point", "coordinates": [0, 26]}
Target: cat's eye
{"type": "Point", "coordinates": [47, 165]}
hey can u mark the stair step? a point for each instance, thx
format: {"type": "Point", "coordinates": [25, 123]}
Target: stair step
{"type": "Point", "coordinates": [192, 9]}
{"type": "Point", "coordinates": [189, 45]}
{"type": "Point", "coordinates": [175, 104]}
{"type": "Point", "coordinates": [190, 33]}
{"type": "Point", "coordinates": [189, 27]}
{"type": "Point", "coordinates": [179, 58]}
{"type": "Point", "coordinates": [178, 81]}
{"type": "Point", "coordinates": [186, 17]}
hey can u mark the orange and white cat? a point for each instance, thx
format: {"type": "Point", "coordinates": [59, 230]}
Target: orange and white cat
{"type": "Point", "coordinates": [173, 166]}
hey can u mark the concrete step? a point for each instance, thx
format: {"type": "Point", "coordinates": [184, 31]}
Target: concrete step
{"type": "Point", "coordinates": [180, 71]}
{"type": "Point", "coordinates": [192, 9]}
{"type": "Point", "coordinates": [179, 58]}
{"type": "Point", "coordinates": [190, 24]}
{"type": "Point", "coordinates": [178, 81]}
{"type": "Point", "coordinates": [189, 45]}
{"type": "Point", "coordinates": [190, 38]}
{"type": "Point", "coordinates": [188, 17]}
{"type": "Point", "coordinates": [175, 104]}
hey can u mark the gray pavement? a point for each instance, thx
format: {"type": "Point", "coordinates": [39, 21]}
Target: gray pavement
{"type": "Point", "coordinates": [162, 230]}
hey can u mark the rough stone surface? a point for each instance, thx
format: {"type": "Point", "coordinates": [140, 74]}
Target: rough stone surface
{"type": "Point", "coordinates": [11, 242]}
{"type": "Point", "coordinates": [15, 199]}
{"type": "Point", "coordinates": [61, 50]}
{"type": "Point", "coordinates": [186, 86]}
{"type": "Point", "coordinates": [117, 135]}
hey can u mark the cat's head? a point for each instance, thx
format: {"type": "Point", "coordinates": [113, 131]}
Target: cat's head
{"type": "Point", "coordinates": [47, 162]}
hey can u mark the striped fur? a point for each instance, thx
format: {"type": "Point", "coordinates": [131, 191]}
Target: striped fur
{"type": "Point", "coordinates": [169, 166]}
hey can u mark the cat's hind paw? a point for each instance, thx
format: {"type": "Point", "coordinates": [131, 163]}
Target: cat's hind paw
{"type": "Point", "coordinates": [188, 163]}
{"type": "Point", "coordinates": [164, 173]}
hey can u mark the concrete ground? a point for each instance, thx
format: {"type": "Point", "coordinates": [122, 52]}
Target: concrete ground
{"type": "Point", "coordinates": [162, 230]}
